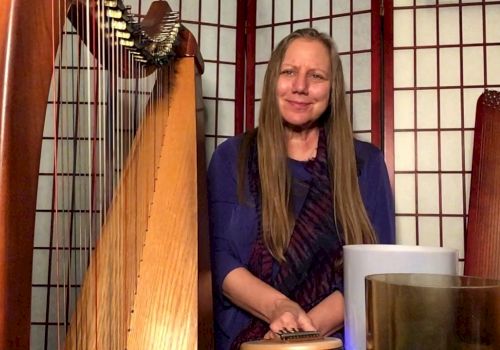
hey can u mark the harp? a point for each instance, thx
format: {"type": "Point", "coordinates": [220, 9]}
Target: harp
{"type": "Point", "coordinates": [482, 248]}
{"type": "Point", "coordinates": [144, 268]}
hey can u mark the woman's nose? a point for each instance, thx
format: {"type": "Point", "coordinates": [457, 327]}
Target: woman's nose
{"type": "Point", "coordinates": [300, 84]}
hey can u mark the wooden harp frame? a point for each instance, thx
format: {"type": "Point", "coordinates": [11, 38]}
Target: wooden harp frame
{"type": "Point", "coordinates": [29, 34]}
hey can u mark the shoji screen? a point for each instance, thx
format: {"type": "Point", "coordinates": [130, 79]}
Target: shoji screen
{"type": "Point", "coordinates": [347, 21]}
{"type": "Point", "coordinates": [445, 54]}
{"type": "Point", "coordinates": [213, 22]}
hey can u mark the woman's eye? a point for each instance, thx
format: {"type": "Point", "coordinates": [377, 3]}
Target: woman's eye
{"type": "Point", "coordinates": [287, 72]}
{"type": "Point", "coordinates": [317, 76]}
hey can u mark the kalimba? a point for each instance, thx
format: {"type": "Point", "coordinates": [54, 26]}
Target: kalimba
{"type": "Point", "coordinates": [295, 341]}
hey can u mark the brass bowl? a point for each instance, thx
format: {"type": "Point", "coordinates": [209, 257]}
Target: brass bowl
{"type": "Point", "coordinates": [427, 311]}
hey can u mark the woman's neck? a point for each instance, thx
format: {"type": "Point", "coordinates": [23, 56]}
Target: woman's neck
{"type": "Point", "coordinates": [302, 145]}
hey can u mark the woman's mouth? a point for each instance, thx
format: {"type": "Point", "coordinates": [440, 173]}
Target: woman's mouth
{"type": "Point", "coordinates": [298, 105]}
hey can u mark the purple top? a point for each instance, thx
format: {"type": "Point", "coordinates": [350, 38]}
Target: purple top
{"type": "Point", "coordinates": [233, 225]}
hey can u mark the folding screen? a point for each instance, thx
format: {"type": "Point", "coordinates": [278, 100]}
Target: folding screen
{"type": "Point", "coordinates": [348, 22]}
{"type": "Point", "coordinates": [445, 54]}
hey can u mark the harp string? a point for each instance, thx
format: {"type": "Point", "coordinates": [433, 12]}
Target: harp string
{"type": "Point", "coordinates": [95, 110]}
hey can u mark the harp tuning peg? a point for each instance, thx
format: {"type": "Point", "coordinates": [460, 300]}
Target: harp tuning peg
{"type": "Point", "coordinates": [111, 3]}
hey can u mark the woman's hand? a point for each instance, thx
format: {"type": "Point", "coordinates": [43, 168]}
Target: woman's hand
{"type": "Point", "coordinates": [265, 302]}
{"type": "Point", "coordinates": [287, 315]}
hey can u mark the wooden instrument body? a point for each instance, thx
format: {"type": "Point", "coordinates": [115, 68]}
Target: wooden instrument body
{"type": "Point", "coordinates": [27, 48]}
{"type": "Point", "coordinates": [327, 343]}
{"type": "Point", "coordinates": [482, 246]}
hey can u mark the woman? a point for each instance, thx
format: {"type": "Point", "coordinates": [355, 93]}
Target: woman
{"type": "Point", "coordinates": [287, 196]}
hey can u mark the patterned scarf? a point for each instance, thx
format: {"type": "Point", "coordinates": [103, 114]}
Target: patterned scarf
{"type": "Point", "coordinates": [312, 270]}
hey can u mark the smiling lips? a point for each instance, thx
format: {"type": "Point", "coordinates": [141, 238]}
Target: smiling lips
{"type": "Point", "coordinates": [298, 105]}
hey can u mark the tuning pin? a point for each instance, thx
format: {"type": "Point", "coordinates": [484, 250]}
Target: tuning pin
{"type": "Point", "coordinates": [122, 34]}
{"type": "Point", "coordinates": [111, 3]}
{"type": "Point", "coordinates": [126, 43]}
{"type": "Point", "coordinates": [111, 13]}
{"type": "Point", "coordinates": [118, 25]}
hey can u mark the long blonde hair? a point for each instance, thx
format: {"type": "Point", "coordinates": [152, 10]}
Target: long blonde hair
{"type": "Point", "coordinates": [275, 179]}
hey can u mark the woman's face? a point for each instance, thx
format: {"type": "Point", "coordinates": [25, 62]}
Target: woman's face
{"type": "Point", "coordinates": [304, 82]}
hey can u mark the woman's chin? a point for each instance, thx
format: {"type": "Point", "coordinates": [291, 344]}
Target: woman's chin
{"type": "Point", "coordinates": [298, 126]}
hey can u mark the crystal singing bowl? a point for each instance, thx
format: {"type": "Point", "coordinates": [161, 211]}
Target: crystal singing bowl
{"type": "Point", "coordinates": [430, 311]}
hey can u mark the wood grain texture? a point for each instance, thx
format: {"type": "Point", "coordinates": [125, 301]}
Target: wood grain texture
{"type": "Point", "coordinates": [165, 308]}
{"type": "Point", "coordinates": [26, 32]}
{"type": "Point", "coordinates": [141, 289]}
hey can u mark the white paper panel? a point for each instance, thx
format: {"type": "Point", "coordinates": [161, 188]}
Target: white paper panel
{"type": "Point", "coordinates": [451, 160]}
{"type": "Point", "coordinates": [362, 71]}
{"type": "Point", "coordinates": [260, 71]}
{"type": "Point", "coordinates": [341, 6]}
{"type": "Point", "coordinates": [468, 146]}
{"type": "Point", "coordinates": [403, 21]}
{"type": "Point", "coordinates": [406, 230]}
{"type": "Point", "coordinates": [321, 8]}
{"type": "Point", "coordinates": [209, 106]}
{"type": "Point", "coordinates": [428, 231]}
{"type": "Point", "coordinates": [341, 32]}
{"type": "Point", "coordinates": [362, 111]}
{"type": "Point", "coordinates": [301, 9]}
{"type": "Point", "coordinates": [346, 65]}
{"type": "Point", "coordinates": [449, 26]}
{"type": "Point", "coordinates": [403, 66]}
{"type": "Point", "coordinates": [228, 13]}
{"type": "Point", "coordinates": [426, 67]}
{"type": "Point", "coordinates": [226, 81]}
{"type": "Point", "coordinates": [492, 23]}
{"type": "Point", "coordinates": [426, 26]}
{"type": "Point", "coordinates": [280, 32]}
{"type": "Point", "coordinates": [454, 237]}
{"type": "Point", "coordinates": [425, 2]}
{"type": "Point", "coordinates": [405, 193]}
{"type": "Point", "coordinates": [209, 11]}
{"type": "Point", "coordinates": [264, 13]}
{"type": "Point", "coordinates": [281, 11]}
{"type": "Point", "coordinates": [300, 25]}
{"type": "Point", "coordinates": [427, 109]}
{"type": "Point", "coordinates": [493, 64]}
{"type": "Point", "coordinates": [208, 38]}
{"type": "Point", "coordinates": [450, 108]}
{"type": "Point", "coordinates": [403, 109]}
{"type": "Point", "coordinates": [322, 25]}
{"type": "Point", "coordinates": [227, 45]}
{"type": "Point", "coordinates": [209, 79]}
{"type": "Point", "coordinates": [263, 43]}
{"type": "Point", "coordinates": [398, 3]}
{"type": "Point", "coordinates": [449, 61]}
{"type": "Point", "coordinates": [361, 5]}
{"type": "Point", "coordinates": [404, 146]}
{"type": "Point", "coordinates": [226, 118]}
{"type": "Point", "coordinates": [361, 28]}
{"type": "Point", "coordinates": [470, 102]}
{"type": "Point", "coordinates": [472, 24]}
{"type": "Point", "coordinates": [473, 65]}
{"type": "Point", "coordinates": [427, 151]}
{"type": "Point", "coordinates": [190, 10]}
{"type": "Point", "coordinates": [428, 188]}
{"type": "Point", "coordinates": [451, 196]}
